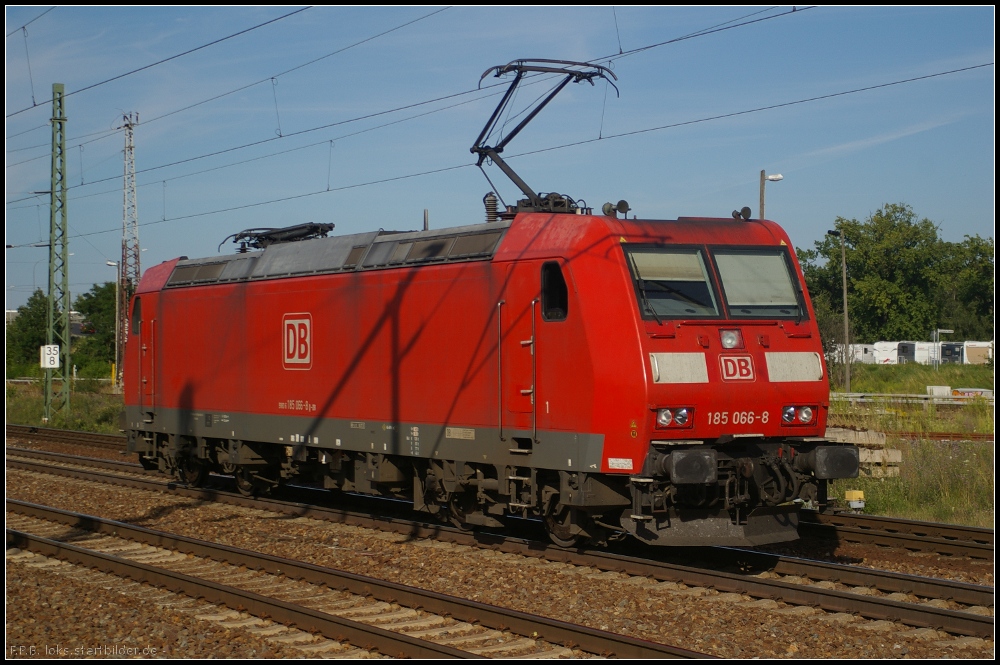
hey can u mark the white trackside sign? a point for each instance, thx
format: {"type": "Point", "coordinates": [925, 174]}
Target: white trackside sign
{"type": "Point", "coordinates": [49, 356]}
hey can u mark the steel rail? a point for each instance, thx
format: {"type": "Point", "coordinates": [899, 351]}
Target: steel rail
{"type": "Point", "coordinates": [953, 621]}
{"type": "Point", "coordinates": [111, 465]}
{"type": "Point", "coordinates": [303, 618]}
{"type": "Point", "coordinates": [952, 539]}
{"type": "Point", "coordinates": [925, 616]}
{"type": "Point", "coordinates": [944, 436]}
{"type": "Point", "coordinates": [885, 581]}
{"type": "Point", "coordinates": [551, 630]}
{"type": "Point", "coordinates": [974, 542]}
{"type": "Point", "coordinates": [113, 441]}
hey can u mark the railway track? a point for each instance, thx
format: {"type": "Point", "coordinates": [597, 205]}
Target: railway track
{"type": "Point", "coordinates": [948, 539]}
{"type": "Point", "coordinates": [45, 434]}
{"type": "Point", "coordinates": [954, 539]}
{"type": "Point", "coordinates": [944, 436]}
{"type": "Point", "coordinates": [332, 603]}
{"type": "Point", "coordinates": [878, 595]}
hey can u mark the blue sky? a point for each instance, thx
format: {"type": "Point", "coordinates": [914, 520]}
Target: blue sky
{"type": "Point", "coordinates": [928, 143]}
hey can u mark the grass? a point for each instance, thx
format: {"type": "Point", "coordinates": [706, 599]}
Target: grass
{"type": "Point", "coordinates": [93, 407]}
{"type": "Point", "coordinates": [937, 482]}
{"type": "Point", "coordinates": [911, 378]}
{"type": "Point", "coordinates": [977, 416]}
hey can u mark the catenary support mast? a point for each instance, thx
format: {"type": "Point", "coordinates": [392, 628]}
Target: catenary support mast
{"type": "Point", "coordinates": [57, 398]}
{"type": "Point", "coordinates": [128, 275]}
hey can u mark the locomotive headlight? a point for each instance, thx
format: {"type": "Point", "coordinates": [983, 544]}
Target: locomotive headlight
{"type": "Point", "coordinates": [788, 414]}
{"type": "Point", "coordinates": [663, 417]}
{"type": "Point", "coordinates": [731, 339]}
{"type": "Point", "coordinates": [681, 417]}
{"type": "Point", "coordinates": [805, 414]}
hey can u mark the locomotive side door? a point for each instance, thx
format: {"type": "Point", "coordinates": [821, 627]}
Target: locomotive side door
{"type": "Point", "coordinates": [517, 347]}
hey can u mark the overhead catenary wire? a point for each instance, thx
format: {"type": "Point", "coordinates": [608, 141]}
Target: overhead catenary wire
{"type": "Point", "coordinates": [298, 133]}
{"type": "Point", "coordinates": [104, 133]}
{"type": "Point", "coordinates": [719, 27]}
{"type": "Point", "coordinates": [260, 157]}
{"type": "Point", "coordinates": [168, 59]}
{"type": "Point", "coordinates": [259, 82]}
{"type": "Point", "coordinates": [31, 21]}
{"type": "Point", "coordinates": [565, 145]}
{"type": "Point", "coordinates": [27, 58]}
{"type": "Point", "coordinates": [710, 30]}
{"type": "Point", "coordinates": [539, 150]}
{"type": "Point", "coordinates": [758, 109]}
{"type": "Point", "coordinates": [705, 31]}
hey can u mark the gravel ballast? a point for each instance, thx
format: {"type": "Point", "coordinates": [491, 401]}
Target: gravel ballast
{"type": "Point", "coordinates": [726, 625]}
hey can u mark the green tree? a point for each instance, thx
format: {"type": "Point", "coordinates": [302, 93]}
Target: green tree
{"type": "Point", "coordinates": [26, 334]}
{"type": "Point", "coordinates": [95, 351]}
{"type": "Point", "coordinates": [965, 289]}
{"type": "Point", "coordinates": [903, 280]}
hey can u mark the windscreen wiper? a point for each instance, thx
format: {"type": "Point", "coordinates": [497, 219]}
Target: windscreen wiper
{"type": "Point", "coordinates": [641, 283]}
{"type": "Point", "coordinates": [680, 294]}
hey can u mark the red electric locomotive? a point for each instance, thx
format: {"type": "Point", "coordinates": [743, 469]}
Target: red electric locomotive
{"type": "Point", "coordinates": [610, 376]}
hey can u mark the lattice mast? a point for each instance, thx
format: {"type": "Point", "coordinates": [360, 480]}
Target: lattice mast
{"type": "Point", "coordinates": [128, 273]}
{"type": "Point", "coordinates": [57, 398]}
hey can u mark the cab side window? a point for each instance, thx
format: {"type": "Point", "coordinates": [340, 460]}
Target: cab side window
{"type": "Point", "coordinates": [555, 296]}
{"type": "Point", "coordinates": [136, 317]}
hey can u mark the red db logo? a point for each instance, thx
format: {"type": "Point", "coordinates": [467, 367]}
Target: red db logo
{"type": "Point", "coordinates": [737, 368]}
{"type": "Point", "coordinates": [296, 332]}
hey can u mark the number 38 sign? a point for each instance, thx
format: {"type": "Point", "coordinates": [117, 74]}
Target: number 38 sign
{"type": "Point", "coordinates": [50, 356]}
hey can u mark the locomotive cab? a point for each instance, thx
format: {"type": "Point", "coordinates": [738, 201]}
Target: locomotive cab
{"type": "Point", "coordinates": [737, 387]}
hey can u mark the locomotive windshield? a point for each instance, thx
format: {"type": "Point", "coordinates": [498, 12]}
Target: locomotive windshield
{"type": "Point", "coordinates": [757, 283]}
{"type": "Point", "coordinates": [676, 282]}
{"type": "Point", "coordinates": [673, 283]}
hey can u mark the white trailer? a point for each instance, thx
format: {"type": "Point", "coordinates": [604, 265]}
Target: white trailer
{"type": "Point", "coordinates": [977, 353]}
{"type": "Point", "coordinates": [886, 353]}
{"type": "Point", "coordinates": [863, 353]}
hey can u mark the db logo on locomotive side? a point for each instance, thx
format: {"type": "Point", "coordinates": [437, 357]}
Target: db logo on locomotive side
{"type": "Point", "coordinates": [737, 368]}
{"type": "Point", "coordinates": [296, 332]}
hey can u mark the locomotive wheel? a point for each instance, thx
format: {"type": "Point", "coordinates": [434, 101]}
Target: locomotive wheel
{"type": "Point", "coordinates": [557, 523]}
{"type": "Point", "coordinates": [192, 471]}
{"type": "Point", "coordinates": [249, 484]}
{"type": "Point", "coordinates": [461, 504]}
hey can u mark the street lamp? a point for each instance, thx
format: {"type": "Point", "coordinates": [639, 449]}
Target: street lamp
{"type": "Point", "coordinates": [937, 345]}
{"type": "Point", "coordinates": [847, 346]}
{"type": "Point", "coordinates": [763, 179]}
{"type": "Point", "coordinates": [118, 280]}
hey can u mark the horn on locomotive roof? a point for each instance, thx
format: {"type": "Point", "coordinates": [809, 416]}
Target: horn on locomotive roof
{"type": "Point", "coordinates": [261, 238]}
{"type": "Point", "coordinates": [573, 71]}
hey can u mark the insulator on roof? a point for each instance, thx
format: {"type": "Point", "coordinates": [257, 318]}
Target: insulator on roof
{"type": "Point", "coordinates": [490, 201]}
